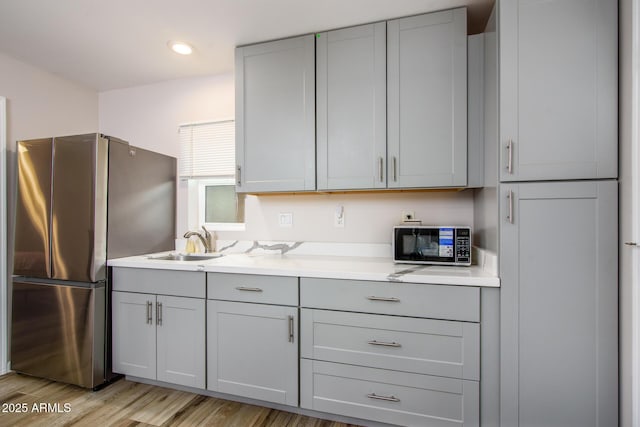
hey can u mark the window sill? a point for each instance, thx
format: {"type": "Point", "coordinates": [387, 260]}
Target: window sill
{"type": "Point", "coordinates": [223, 226]}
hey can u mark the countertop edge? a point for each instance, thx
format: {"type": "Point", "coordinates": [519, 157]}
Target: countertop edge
{"type": "Point", "coordinates": [475, 275]}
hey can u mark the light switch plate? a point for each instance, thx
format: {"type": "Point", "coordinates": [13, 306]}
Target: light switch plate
{"type": "Point", "coordinates": [285, 219]}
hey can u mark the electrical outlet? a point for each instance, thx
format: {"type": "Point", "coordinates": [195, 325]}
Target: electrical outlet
{"type": "Point", "coordinates": [408, 216]}
{"type": "Point", "coordinates": [338, 217]}
{"type": "Point", "coordinates": [285, 219]}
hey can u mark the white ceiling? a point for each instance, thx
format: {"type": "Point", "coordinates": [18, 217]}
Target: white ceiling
{"type": "Point", "coordinates": [111, 44]}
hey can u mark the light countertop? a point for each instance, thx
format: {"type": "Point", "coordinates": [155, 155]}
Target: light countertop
{"type": "Point", "coordinates": [322, 266]}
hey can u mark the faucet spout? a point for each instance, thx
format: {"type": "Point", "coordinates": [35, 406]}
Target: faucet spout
{"type": "Point", "coordinates": [205, 241]}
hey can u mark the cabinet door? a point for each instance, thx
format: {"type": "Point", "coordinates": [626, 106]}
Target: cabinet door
{"type": "Point", "coordinates": [253, 351]}
{"type": "Point", "coordinates": [181, 340]}
{"type": "Point", "coordinates": [427, 98]}
{"type": "Point", "coordinates": [558, 89]}
{"type": "Point", "coordinates": [275, 116]}
{"type": "Point", "coordinates": [134, 334]}
{"type": "Point", "coordinates": [559, 304]}
{"type": "Point", "coordinates": [351, 84]}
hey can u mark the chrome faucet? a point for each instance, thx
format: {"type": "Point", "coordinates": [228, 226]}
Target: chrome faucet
{"type": "Point", "coordinates": [205, 238]}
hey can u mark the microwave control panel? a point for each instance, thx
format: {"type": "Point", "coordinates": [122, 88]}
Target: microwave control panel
{"type": "Point", "coordinates": [463, 245]}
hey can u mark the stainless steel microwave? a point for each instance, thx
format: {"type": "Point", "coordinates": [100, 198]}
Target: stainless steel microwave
{"type": "Point", "coordinates": [443, 245]}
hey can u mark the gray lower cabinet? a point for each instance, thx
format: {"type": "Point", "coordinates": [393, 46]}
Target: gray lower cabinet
{"type": "Point", "coordinates": [361, 356]}
{"type": "Point", "coordinates": [351, 104]}
{"type": "Point", "coordinates": [427, 100]}
{"type": "Point", "coordinates": [559, 304]}
{"type": "Point", "coordinates": [275, 116]}
{"type": "Point", "coordinates": [158, 337]}
{"type": "Point", "coordinates": [134, 334]}
{"type": "Point", "coordinates": [558, 89]}
{"type": "Point", "coordinates": [252, 347]}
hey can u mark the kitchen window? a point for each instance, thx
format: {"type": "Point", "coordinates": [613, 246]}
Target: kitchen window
{"type": "Point", "coordinates": [207, 162]}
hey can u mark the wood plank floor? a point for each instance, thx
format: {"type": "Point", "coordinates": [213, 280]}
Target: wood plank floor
{"type": "Point", "coordinates": [126, 403]}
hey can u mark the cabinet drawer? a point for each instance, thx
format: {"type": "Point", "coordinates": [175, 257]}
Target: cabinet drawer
{"type": "Point", "coordinates": [253, 288]}
{"type": "Point", "coordinates": [403, 299]}
{"type": "Point", "coordinates": [163, 282]}
{"type": "Point", "coordinates": [388, 396]}
{"type": "Point", "coordinates": [424, 346]}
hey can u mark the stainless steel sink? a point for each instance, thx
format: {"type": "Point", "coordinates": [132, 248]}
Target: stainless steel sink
{"type": "Point", "coordinates": [185, 257]}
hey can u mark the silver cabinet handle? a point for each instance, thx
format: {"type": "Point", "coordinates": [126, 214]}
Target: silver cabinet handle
{"type": "Point", "coordinates": [381, 168]}
{"type": "Point", "coordinates": [631, 243]}
{"type": "Point", "coordinates": [395, 169]}
{"type": "Point", "coordinates": [384, 344]}
{"type": "Point", "coordinates": [389, 299]}
{"type": "Point", "coordinates": [291, 328]}
{"type": "Point", "coordinates": [149, 314]}
{"type": "Point", "coordinates": [510, 156]}
{"type": "Point", "coordinates": [247, 289]}
{"type": "Point", "coordinates": [159, 313]}
{"type": "Point", "coordinates": [387, 398]}
{"type": "Point", "coordinates": [510, 204]}
{"type": "Point", "coordinates": [239, 175]}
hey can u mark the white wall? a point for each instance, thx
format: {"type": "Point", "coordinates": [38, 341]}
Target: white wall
{"type": "Point", "coordinates": [39, 104]}
{"type": "Point", "coordinates": [148, 116]}
{"type": "Point", "coordinates": [368, 216]}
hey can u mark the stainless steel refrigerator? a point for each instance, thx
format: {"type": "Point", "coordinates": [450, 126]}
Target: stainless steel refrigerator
{"type": "Point", "coordinates": [81, 200]}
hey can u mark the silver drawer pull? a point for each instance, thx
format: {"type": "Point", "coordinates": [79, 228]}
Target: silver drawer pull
{"type": "Point", "coordinates": [387, 398]}
{"type": "Point", "coordinates": [390, 299]}
{"type": "Point", "coordinates": [385, 344]}
{"type": "Point", "coordinates": [395, 169]}
{"type": "Point", "coordinates": [244, 288]}
{"type": "Point", "coordinates": [510, 156]}
{"type": "Point", "coordinates": [159, 313]}
{"type": "Point", "coordinates": [149, 308]}
{"type": "Point", "coordinates": [291, 329]}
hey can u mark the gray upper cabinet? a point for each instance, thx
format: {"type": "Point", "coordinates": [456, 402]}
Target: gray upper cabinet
{"type": "Point", "coordinates": [427, 100]}
{"type": "Point", "coordinates": [559, 304]}
{"type": "Point", "coordinates": [351, 108]}
{"type": "Point", "coordinates": [558, 89]}
{"type": "Point", "coordinates": [275, 116]}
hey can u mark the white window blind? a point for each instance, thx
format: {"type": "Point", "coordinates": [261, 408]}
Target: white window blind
{"type": "Point", "coordinates": [207, 149]}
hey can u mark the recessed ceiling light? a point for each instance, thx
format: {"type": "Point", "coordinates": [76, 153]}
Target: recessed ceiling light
{"type": "Point", "coordinates": [180, 47]}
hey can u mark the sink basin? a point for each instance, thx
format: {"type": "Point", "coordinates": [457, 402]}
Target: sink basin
{"type": "Point", "coordinates": [185, 257]}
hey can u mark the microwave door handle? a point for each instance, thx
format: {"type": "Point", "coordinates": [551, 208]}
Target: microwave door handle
{"type": "Point", "coordinates": [415, 241]}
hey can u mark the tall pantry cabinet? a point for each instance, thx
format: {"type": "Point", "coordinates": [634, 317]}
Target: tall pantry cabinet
{"type": "Point", "coordinates": [558, 89]}
{"type": "Point", "coordinates": [558, 212]}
